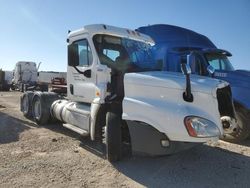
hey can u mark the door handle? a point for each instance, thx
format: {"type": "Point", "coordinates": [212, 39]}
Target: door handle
{"type": "Point", "coordinates": [71, 89]}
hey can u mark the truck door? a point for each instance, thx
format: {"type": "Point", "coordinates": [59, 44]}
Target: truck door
{"type": "Point", "coordinates": [199, 66]}
{"type": "Point", "coordinates": [81, 72]}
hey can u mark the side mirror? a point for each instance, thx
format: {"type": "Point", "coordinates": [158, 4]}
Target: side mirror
{"type": "Point", "coordinates": [73, 56]}
{"type": "Point", "coordinates": [87, 73]}
{"type": "Point", "coordinates": [186, 70]}
{"type": "Point", "coordinates": [211, 70]}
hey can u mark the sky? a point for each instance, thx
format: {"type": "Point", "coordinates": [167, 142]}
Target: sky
{"type": "Point", "coordinates": [36, 30]}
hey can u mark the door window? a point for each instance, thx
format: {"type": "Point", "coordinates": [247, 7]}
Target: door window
{"type": "Point", "coordinates": [85, 57]}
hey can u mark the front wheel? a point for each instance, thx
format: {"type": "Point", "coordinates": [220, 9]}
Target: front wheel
{"type": "Point", "coordinates": [243, 129]}
{"type": "Point", "coordinates": [113, 136]}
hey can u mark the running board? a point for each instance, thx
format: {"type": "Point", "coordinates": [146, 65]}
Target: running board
{"type": "Point", "coordinates": [76, 129]}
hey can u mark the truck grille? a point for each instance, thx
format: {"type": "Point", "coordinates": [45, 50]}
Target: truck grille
{"type": "Point", "coordinates": [225, 103]}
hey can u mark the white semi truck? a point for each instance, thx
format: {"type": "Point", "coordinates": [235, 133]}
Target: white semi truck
{"type": "Point", "coordinates": [25, 77]}
{"type": "Point", "coordinates": [117, 94]}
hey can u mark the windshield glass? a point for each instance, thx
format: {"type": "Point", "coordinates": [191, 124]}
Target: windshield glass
{"type": "Point", "coordinates": [219, 61]}
{"type": "Point", "coordinates": [125, 54]}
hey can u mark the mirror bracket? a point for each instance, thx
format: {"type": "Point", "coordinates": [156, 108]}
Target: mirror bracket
{"type": "Point", "coordinates": [186, 70]}
{"type": "Point", "coordinates": [86, 73]}
{"type": "Point", "coordinates": [211, 70]}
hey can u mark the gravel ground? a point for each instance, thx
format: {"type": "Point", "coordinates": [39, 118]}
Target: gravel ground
{"type": "Point", "coordinates": [52, 156]}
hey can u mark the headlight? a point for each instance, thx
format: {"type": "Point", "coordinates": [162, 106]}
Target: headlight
{"type": "Point", "coordinates": [200, 127]}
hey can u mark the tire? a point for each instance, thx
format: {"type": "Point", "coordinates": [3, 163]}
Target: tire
{"type": "Point", "coordinates": [243, 130]}
{"type": "Point", "coordinates": [41, 104]}
{"type": "Point", "coordinates": [6, 87]}
{"type": "Point", "coordinates": [40, 111]}
{"type": "Point", "coordinates": [26, 104]}
{"type": "Point", "coordinates": [113, 136]}
{"type": "Point", "coordinates": [21, 87]}
{"type": "Point", "coordinates": [12, 87]}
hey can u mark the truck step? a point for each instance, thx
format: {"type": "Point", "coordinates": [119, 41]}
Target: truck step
{"type": "Point", "coordinates": [76, 129]}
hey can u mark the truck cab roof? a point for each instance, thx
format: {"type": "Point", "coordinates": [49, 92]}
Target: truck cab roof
{"type": "Point", "coordinates": [25, 62]}
{"type": "Point", "coordinates": [111, 30]}
{"type": "Point", "coordinates": [171, 35]}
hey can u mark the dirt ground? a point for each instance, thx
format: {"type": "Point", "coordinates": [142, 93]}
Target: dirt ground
{"type": "Point", "coordinates": [52, 156]}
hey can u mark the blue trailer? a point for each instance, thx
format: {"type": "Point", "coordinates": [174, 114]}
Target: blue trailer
{"type": "Point", "coordinates": [173, 42]}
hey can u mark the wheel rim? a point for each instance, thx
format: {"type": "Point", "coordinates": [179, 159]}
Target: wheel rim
{"type": "Point", "coordinates": [25, 104]}
{"type": "Point", "coordinates": [104, 134]}
{"type": "Point", "coordinates": [37, 109]}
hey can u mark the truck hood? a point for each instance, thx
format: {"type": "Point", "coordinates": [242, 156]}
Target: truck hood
{"type": "Point", "coordinates": [174, 80]}
{"type": "Point", "coordinates": [235, 78]}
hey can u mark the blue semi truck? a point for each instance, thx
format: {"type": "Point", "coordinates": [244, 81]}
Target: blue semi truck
{"type": "Point", "coordinates": [173, 42]}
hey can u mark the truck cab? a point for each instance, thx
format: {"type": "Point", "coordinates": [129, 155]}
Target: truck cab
{"type": "Point", "coordinates": [25, 77]}
{"type": "Point", "coordinates": [118, 95]}
{"type": "Point", "coordinates": [172, 43]}
{"type": "Point", "coordinates": [96, 59]}
{"type": "Point", "coordinates": [25, 72]}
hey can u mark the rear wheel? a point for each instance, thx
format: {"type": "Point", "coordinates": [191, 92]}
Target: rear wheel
{"type": "Point", "coordinates": [40, 111]}
{"type": "Point", "coordinates": [113, 136]}
{"type": "Point", "coordinates": [6, 87]}
{"type": "Point", "coordinates": [26, 105]}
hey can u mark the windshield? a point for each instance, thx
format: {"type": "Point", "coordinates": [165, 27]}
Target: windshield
{"type": "Point", "coordinates": [125, 54]}
{"type": "Point", "coordinates": [219, 61]}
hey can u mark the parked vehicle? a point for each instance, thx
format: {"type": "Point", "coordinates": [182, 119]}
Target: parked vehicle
{"type": "Point", "coordinates": [26, 77]}
{"type": "Point", "coordinates": [116, 93]}
{"type": "Point", "coordinates": [46, 77]}
{"type": "Point", "coordinates": [57, 81]}
{"type": "Point", "coordinates": [59, 85]}
{"type": "Point", "coordinates": [172, 43]}
{"type": "Point", "coordinates": [5, 80]}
